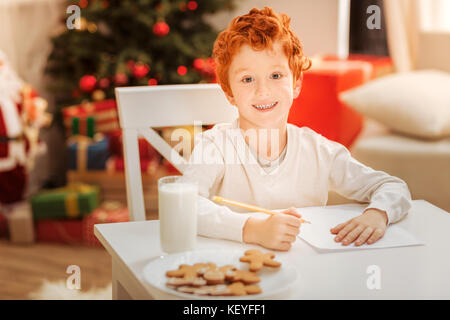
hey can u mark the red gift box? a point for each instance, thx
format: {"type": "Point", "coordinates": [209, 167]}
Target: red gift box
{"type": "Point", "coordinates": [61, 231]}
{"type": "Point", "coordinates": [146, 151]}
{"type": "Point", "coordinates": [104, 113]}
{"type": "Point", "coordinates": [117, 164]}
{"type": "Point", "coordinates": [3, 224]}
{"type": "Point", "coordinates": [109, 212]}
{"type": "Point", "coordinates": [379, 65]}
{"type": "Point", "coordinates": [318, 106]}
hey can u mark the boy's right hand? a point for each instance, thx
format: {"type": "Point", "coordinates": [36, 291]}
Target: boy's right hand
{"type": "Point", "coordinates": [276, 232]}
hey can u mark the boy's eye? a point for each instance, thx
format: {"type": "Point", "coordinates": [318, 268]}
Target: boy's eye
{"type": "Point", "coordinates": [276, 75]}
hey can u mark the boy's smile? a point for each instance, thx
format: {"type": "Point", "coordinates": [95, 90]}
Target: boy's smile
{"type": "Point", "coordinates": [262, 86]}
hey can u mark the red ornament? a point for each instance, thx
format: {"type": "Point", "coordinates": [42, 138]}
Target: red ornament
{"type": "Point", "coordinates": [83, 3]}
{"type": "Point", "coordinates": [140, 70]}
{"type": "Point", "coordinates": [87, 83]}
{"type": "Point", "coordinates": [152, 82]}
{"type": "Point", "coordinates": [121, 79]}
{"type": "Point", "coordinates": [130, 64]}
{"type": "Point", "coordinates": [192, 5]}
{"type": "Point", "coordinates": [199, 63]}
{"type": "Point", "coordinates": [104, 83]}
{"type": "Point", "coordinates": [161, 29]}
{"type": "Point", "coordinates": [182, 70]}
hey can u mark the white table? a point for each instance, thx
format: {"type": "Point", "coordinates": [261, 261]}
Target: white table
{"type": "Point", "coordinates": [417, 272]}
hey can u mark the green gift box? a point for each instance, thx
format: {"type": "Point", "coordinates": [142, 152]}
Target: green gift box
{"type": "Point", "coordinates": [71, 202]}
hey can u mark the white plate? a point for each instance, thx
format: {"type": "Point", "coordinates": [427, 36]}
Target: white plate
{"type": "Point", "coordinates": [275, 282]}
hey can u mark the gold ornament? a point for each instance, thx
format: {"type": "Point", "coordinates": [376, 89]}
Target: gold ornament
{"type": "Point", "coordinates": [98, 95]}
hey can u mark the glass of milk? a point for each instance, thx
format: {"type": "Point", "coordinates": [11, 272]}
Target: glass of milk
{"type": "Point", "coordinates": [177, 206]}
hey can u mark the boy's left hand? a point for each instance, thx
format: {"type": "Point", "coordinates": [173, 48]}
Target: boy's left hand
{"type": "Point", "coordinates": [368, 227]}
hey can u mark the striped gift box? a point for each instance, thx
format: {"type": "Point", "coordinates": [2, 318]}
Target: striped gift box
{"type": "Point", "coordinates": [104, 113]}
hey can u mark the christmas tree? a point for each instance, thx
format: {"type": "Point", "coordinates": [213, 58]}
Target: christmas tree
{"type": "Point", "coordinates": [132, 43]}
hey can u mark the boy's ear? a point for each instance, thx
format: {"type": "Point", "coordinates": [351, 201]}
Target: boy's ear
{"type": "Point", "coordinates": [298, 86]}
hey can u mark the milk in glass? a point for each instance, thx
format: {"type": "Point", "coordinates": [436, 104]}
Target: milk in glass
{"type": "Point", "coordinates": [177, 200]}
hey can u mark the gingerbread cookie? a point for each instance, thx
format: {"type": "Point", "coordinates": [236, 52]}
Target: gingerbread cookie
{"type": "Point", "coordinates": [234, 289]}
{"type": "Point", "coordinates": [187, 275]}
{"type": "Point", "coordinates": [257, 259]}
{"type": "Point", "coordinates": [247, 277]}
{"type": "Point", "coordinates": [214, 275]}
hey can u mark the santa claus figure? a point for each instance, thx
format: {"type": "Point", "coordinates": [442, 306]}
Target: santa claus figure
{"type": "Point", "coordinates": [22, 114]}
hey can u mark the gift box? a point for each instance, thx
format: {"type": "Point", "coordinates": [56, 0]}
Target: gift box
{"type": "Point", "coordinates": [61, 231]}
{"type": "Point", "coordinates": [117, 164]}
{"type": "Point", "coordinates": [108, 212]}
{"type": "Point", "coordinates": [20, 223]}
{"type": "Point", "coordinates": [88, 153]}
{"type": "Point", "coordinates": [3, 224]}
{"type": "Point", "coordinates": [104, 114]}
{"type": "Point", "coordinates": [378, 66]}
{"type": "Point", "coordinates": [318, 106]}
{"type": "Point", "coordinates": [70, 202]}
{"type": "Point", "coordinates": [146, 151]}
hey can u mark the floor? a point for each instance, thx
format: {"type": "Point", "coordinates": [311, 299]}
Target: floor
{"type": "Point", "coordinates": [24, 267]}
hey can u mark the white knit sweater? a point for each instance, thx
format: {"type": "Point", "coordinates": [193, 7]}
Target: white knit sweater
{"type": "Point", "coordinates": [223, 165]}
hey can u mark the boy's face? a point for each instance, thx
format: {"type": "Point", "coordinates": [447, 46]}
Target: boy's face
{"type": "Point", "coordinates": [262, 86]}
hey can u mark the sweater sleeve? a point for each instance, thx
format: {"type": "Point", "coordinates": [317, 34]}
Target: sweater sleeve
{"type": "Point", "coordinates": [354, 180]}
{"type": "Point", "coordinates": [206, 167]}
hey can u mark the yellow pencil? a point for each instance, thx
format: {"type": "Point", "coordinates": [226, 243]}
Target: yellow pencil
{"type": "Point", "coordinates": [249, 206]}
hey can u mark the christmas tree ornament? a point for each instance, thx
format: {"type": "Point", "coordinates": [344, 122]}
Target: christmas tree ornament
{"type": "Point", "coordinates": [140, 70]}
{"type": "Point", "coordinates": [104, 4]}
{"type": "Point", "coordinates": [182, 70]}
{"type": "Point", "coordinates": [130, 65]}
{"type": "Point", "coordinates": [121, 79]}
{"type": "Point", "coordinates": [98, 95]}
{"type": "Point", "coordinates": [161, 29]}
{"type": "Point", "coordinates": [83, 3]}
{"type": "Point", "coordinates": [104, 83]}
{"type": "Point", "coordinates": [199, 63]}
{"type": "Point", "coordinates": [91, 27]}
{"type": "Point", "coordinates": [152, 82]}
{"type": "Point", "coordinates": [87, 83]}
{"type": "Point", "coordinates": [192, 5]}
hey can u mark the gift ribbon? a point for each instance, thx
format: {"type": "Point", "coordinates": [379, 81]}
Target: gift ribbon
{"type": "Point", "coordinates": [82, 148]}
{"type": "Point", "coordinates": [71, 203]}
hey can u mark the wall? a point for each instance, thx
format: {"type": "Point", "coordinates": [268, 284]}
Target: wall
{"type": "Point", "coordinates": [315, 22]}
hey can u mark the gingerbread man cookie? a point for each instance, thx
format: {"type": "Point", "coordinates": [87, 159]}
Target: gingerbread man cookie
{"type": "Point", "coordinates": [214, 275]}
{"type": "Point", "coordinates": [247, 277]}
{"type": "Point", "coordinates": [187, 275]}
{"type": "Point", "coordinates": [257, 259]}
{"type": "Point", "coordinates": [234, 289]}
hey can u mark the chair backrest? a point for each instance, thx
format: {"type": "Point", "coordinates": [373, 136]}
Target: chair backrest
{"type": "Point", "coordinates": [141, 108]}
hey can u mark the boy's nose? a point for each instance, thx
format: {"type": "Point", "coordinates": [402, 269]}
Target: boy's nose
{"type": "Point", "coordinates": [262, 89]}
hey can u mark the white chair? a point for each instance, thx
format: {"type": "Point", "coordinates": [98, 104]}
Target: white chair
{"type": "Point", "coordinates": [141, 108]}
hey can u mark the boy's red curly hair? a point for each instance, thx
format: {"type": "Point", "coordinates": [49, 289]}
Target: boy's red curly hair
{"type": "Point", "coordinates": [259, 29]}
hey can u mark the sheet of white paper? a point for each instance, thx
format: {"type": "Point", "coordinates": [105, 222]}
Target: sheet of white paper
{"type": "Point", "coordinates": [323, 219]}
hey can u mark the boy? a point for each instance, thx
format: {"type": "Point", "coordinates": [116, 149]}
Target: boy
{"type": "Point", "coordinates": [262, 160]}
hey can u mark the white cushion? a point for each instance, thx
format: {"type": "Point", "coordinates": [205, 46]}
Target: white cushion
{"type": "Point", "coordinates": [414, 103]}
